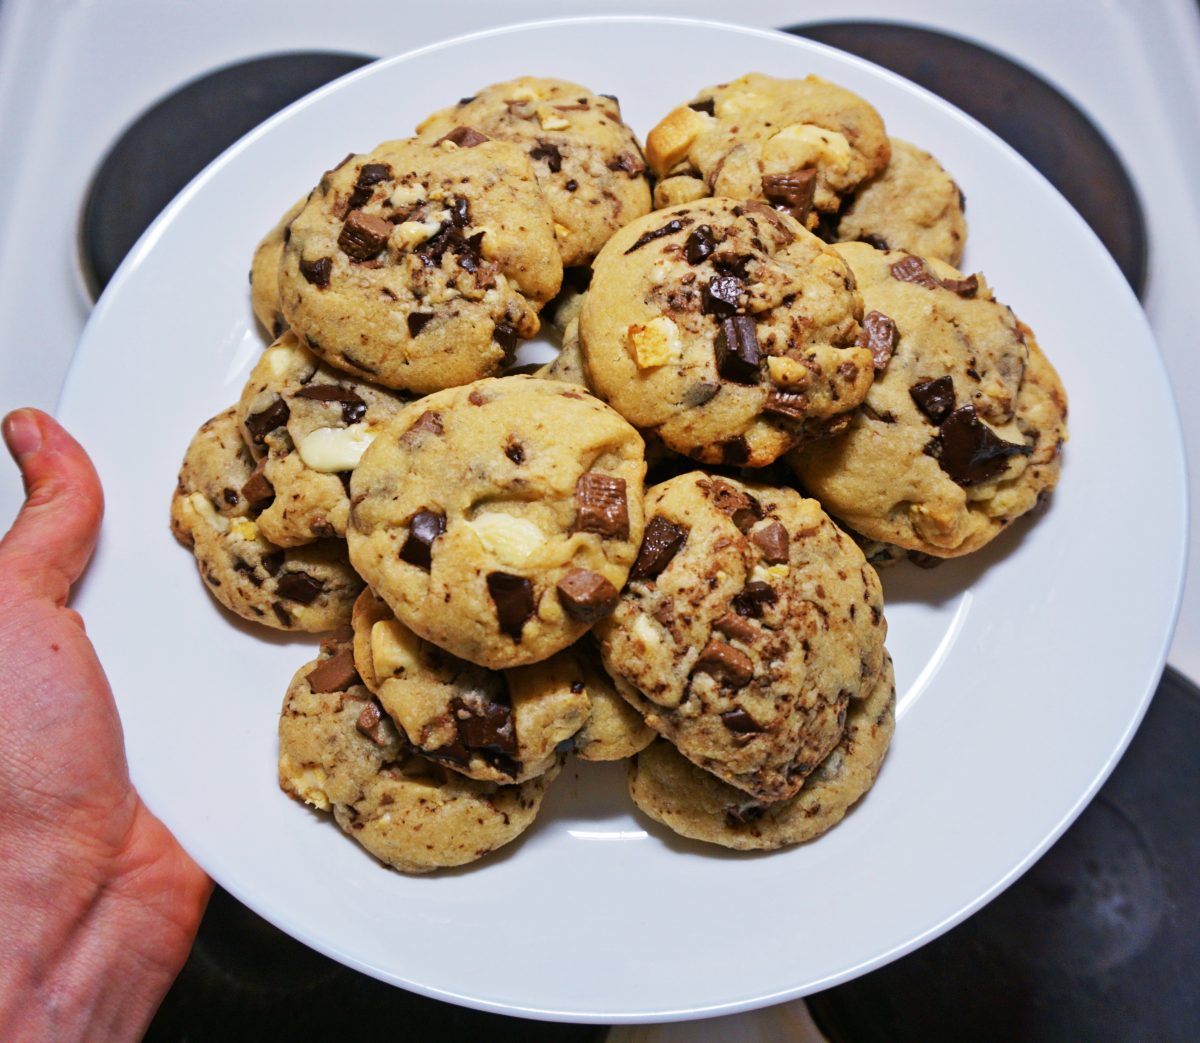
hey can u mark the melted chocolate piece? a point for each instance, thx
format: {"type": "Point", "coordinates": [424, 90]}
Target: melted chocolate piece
{"type": "Point", "coordinates": [879, 336]}
{"type": "Point", "coordinates": [971, 452]}
{"type": "Point", "coordinates": [660, 544]}
{"type": "Point", "coordinates": [460, 212]}
{"type": "Point", "coordinates": [513, 598]}
{"type": "Point", "coordinates": [258, 490]}
{"type": "Point", "coordinates": [601, 505]}
{"type": "Point", "coordinates": [705, 105]}
{"type": "Point", "coordinates": [363, 235]}
{"type": "Point", "coordinates": [736, 350]}
{"type": "Point", "coordinates": [753, 597]}
{"type": "Point", "coordinates": [725, 664]}
{"type": "Point", "coordinates": [735, 451]}
{"type": "Point", "coordinates": [670, 228]}
{"type": "Point", "coordinates": [335, 674]}
{"type": "Point", "coordinates": [353, 407]}
{"type": "Point", "coordinates": [549, 154]}
{"type": "Point", "coordinates": [793, 405]}
{"type": "Point", "coordinates": [586, 596]}
{"type": "Point", "coordinates": [772, 540]}
{"type": "Point", "coordinates": [423, 529]}
{"type": "Point", "coordinates": [737, 627]}
{"type": "Point", "coordinates": [699, 244]}
{"type": "Point", "coordinates": [428, 421]}
{"type": "Point", "coordinates": [740, 722]}
{"type": "Point", "coordinates": [299, 587]}
{"type": "Point", "coordinates": [463, 137]}
{"type": "Point", "coordinates": [720, 296]}
{"type": "Point", "coordinates": [317, 272]}
{"type": "Point", "coordinates": [262, 423]}
{"type": "Point", "coordinates": [792, 192]}
{"type": "Point", "coordinates": [417, 321]}
{"type": "Point", "coordinates": [934, 398]}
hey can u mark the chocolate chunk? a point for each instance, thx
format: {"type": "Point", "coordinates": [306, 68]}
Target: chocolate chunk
{"type": "Point", "coordinates": [372, 174]}
{"type": "Point", "coordinates": [317, 272]}
{"type": "Point", "coordinates": [601, 505]}
{"type": "Point", "coordinates": [265, 421]}
{"type": "Point", "coordinates": [515, 452]}
{"type": "Point", "coordinates": [698, 394]}
{"type": "Point", "coordinates": [793, 405]}
{"type": "Point", "coordinates": [586, 596]}
{"type": "Point", "coordinates": [485, 724]}
{"type": "Point", "coordinates": [281, 613]}
{"type": "Point", "coordinates": [725, 664]}
{"type": "Point", "coordinates": [273, 562]}
{"type": "Point", "coordinates": [705, 105]}
{"type": "Point", "coordinates": [753, 597]}
{"type": "Point", "coordinates": [699, 244]}
{"type": "Point", "coordinates": [549, 154]}
{"type": "Point", "coordinates": [258, 490]}
{"type": "Point", "coordinates": [879, 336]}
{"type": "Point", "coordinates": [743, 814]}
{"type": "Point", "coordinates": [660, 544]}
{"type": "Point", "coordinates": [934, 398]}
{"type": "Point", "coordinates": [467, 100]}
{"type": "Point", "coordinates": [460, 212]}
{"type": "Point", "coordinates": [971, 452]}
{"type": "Point", "coordinates": [720, 297]}
{"type": "Point", "coordinates": [299, 587]}
{"type": "Point", "coordinates": [735, 626]}
{"type": "Point", "coordinates": [743, 509]}
{"type": "Point", "coordinates": [911, 268]}
{"type": "Point", "coordinates": [423, 529]}
{"type": "Point", "coordinates": [792, 192]}
{"type": "Point", "coordinates": [752, 206]}
{"type": "Point", "coordinates": [370, 724]}
{"type": "Point", "coordinates": [363, 235]}
{"type": "Point", "coordinates": [772, 540]}
{"type": "Point", "coordinates": [735, 451]}
{"type": "Point", "coordinates": [417, 321]}
{"type": "Point", "coordinates": [963, 287]}
{"type": "Point", "coordinates": [335, 674]}
{"type": "Point", "coordinates": [463, 137]}
{"type": "Point", "coordinates": [230, 496]}
{"type": "Point", "coordinates": [353, 407]}
{"type": "Point", "coordinates": [670, 228]}
{"type": "Point", "coordinates": [736, 350]}
{"type": "Point", "coordinates": [733, 264]}
{"type": "Point", "coordinates": [506, 336]}
{"type": "Point", "coordinates": [627, 162]}
{"type": "Point", "coordinates": [571, 185]}
{"type": "Point", "coordinates": [428, 421]}
{"type": "Point", "coordinates": [740, 722]}
{"type": "Point", "coordinates": [513, 598]}
{"type": "Point", "coordinates": [873, 414]}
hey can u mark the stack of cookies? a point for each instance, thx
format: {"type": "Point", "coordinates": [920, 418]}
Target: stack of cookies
{"type": "Point", "coordinates": [760, 307]}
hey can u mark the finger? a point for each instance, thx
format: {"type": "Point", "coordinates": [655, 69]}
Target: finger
{"type": "Point", "coordinates": [54, 534]}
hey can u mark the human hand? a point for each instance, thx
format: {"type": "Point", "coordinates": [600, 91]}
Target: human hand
{"type": "Point", "coordinates": [98, 902]}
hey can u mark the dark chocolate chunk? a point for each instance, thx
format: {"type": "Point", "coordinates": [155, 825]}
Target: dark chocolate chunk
{"type": "Point", "coordinates": [467, 100]}
{"type": "Point", "coordinates": [299, 587]}
{"type": "Point", "coordinates": [879, 336]}
{"type": "Point", "coordinates": [513, 598]}
{"type": "Point", "coordinates": [971, 452]}
{"type": "Point", "coordinates": [736, 349]}
{"type": "Point", "coordinates": [317, 272]}
{"type": "Point", "coordinates": [463, 137]}
{"type": "Point", "coordinates": [725, 664]}
{"type": "Point", "coordinates": [963, 287]}
{"type": "Point", "coordinates": [515, 452]}
{"type": "Point", "coordinates": [699, 244]}
{"type": "Point", "coordinates": [370, 723]}
{"type": "Point", "coordinates": [485, 724]}
{"type": "Point", "coordinates": [660, 544]}
{"type": "Point", "coordinates": [335, 674]}
{"type": "Point", "coordinates": [417, 321]}
{"type": "Point", "coordinates": [772, 540]}
{"type": "Point", "coordinates": [571, 185]}
{"type": "Point", "coordinates": [601, 505]}
{"type": "Point", "coordinates": [372, 174]}
{"type": "Point", "coordinates": [353, 407]}
{"type": "Point", "coordinates": [739, 721]}
{"type": "Point", "coordinates": [460, 212]}
{"type": "Point", "coordinates": [428, 421]}
{"type": "Point", "coordinates": [792, 191]}
{"type": "Point", "coordinates": [793, 405]}
{"type": "Point", "coordinates": [733, 264]}
{"type": "Point", "coordinates": [911, 268]}
{"type": "Point", "coordinates": [423, 529]}
{"type": "Point", "coordinates": [705, 105]}
{"type": "Point", "coordinates": [670, 228]}
{"type": "Point", "coordinates": [720, 296]}
{"type": "Point", "coordinates": [753, 597]}
{"type": "Point", "coordinates": [230, 496]}
{"type": "Point", "coordinates": [735, 451]}
{"type": "Point", "coordinates": [586, 596]}
{"type": "Point", "coordinates": [363, 235]}
{"type": "Point", "coordinates": [549, 154]}
{"type": "Point", "coordinates": [273, 562]}
{"type": "Point", "coordinates": [934, 398]}
{"type": "Point", "coordinates": [698, 394]}
{"type": "Point", "coordinates": [506, 336]}
{"type": "Point", "coordinates": [258, 490]}
{"type": "Point", "coordinates": [737, 627]}
{"type": "Point", "coordinates": [281, 613]}
{"type": "Point", "coordinates": [627, 162]}
{"type": "Point", "coordinates": [265, 421]}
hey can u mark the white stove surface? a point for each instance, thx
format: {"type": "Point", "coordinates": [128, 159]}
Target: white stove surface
{"type": "Point", "coordinates": [75, 73]}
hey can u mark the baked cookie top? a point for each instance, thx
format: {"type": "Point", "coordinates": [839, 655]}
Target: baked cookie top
{"type": "Point", "coordinates": [264, 273]}
{"type": "Point", "coordinates": [419, 266]}
{"type": "Point", "coordinates": [692, 802]}
{"type": "Point", "coordinates": [587, 161]}
{"type": "Point", "coordinates": [309, 588]}
{"type": "Point", "coordinates": [800, 145]}
{"type": "Point", "coordinates": [911, 205]}
{"type": "Point", "coordinates": [726, 329]}
{"type": "Point", "coordinates": [961, 432]}
{"type": "Point", "coordinates": [499, 520]}
{"type": "Point", "coordinates": [308, 424]}
{"type": "Point", "coordinates": [749, 625]}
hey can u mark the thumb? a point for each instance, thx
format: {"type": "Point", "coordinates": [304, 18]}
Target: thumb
{"type": "Point", "coordinates": [53, 536]}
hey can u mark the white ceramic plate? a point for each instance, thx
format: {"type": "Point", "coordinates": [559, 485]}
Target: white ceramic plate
{"type": "Point", "coordinates": [1022, 671]}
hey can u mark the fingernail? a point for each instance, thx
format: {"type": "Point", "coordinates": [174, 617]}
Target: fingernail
{"type": "Point", "coordinates": [22, 434]}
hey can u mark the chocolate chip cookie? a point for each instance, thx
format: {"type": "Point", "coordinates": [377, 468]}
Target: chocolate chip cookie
{"type": "Point", "coordinates": [800, 145]}
{"type": "Point", "coordinates": [963, 430]}
{"type": "Point", "coordinates": [750, 625]}
{"type": "Point", "coordinates": [309, 588]}
{"type": "Point", "coordinates": [614, 730]}
{"type": "Point", "coordinates": [727, 330]}
{"type": "Point", "coordinates": [499, 520]}
{"type": "Point", "coordinates": [421, 266]}
{"type": "Point", "coordinates": [264, 273]}
{"type": "Point", "coordinates": [587, 161]}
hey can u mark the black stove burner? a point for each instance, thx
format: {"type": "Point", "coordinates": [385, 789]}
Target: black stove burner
{"type": "Point", "coordinates": [1097, 941]}
{"type": "Point", "coordinates": [1059, 140]}
{"type": "Point", "coordinates": [169, 144]}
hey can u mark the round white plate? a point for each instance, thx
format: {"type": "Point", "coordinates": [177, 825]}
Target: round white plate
{"type": "Point", "coordinates": [1022, 671]}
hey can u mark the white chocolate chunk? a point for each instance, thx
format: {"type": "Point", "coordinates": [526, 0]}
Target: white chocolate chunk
{"type": "Point", "coordinates": [202, 505]}
{"type": "Point", "coordinates": [654, 344]}
{"type": "Point", "coordinates": [333, 449]}
{"type": "Point", "coordinates": [308, 782]}
{"type": "Point", "coordinates": [552, 119]}
{"type": "Point", "coordinates": [394, 649]}
{"type": "Point", "coordinates": [414, 233]}
{"type": "Point", "coordinates": [407, 195]}
{"type": "Point", "coordinates": [509, 539]}
{"type": "Point", "coordinates": [644, 631]}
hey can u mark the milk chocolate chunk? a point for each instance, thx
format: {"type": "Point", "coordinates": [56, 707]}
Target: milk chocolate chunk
{"type": "Point", "coordinates": [726, 664]}
{"type": "Point", "coordinates": [670, 228]}
{"type": "Point", "coordinates": [660, 544]}
{"type": "Point", "coordinates": [363, 235]}
{"type": "Point", "coordinates": [425, 527]}
{"type": "Point", "coordinates": [601, 505]}
{"type": "Point", "coordinates": [911, 268]}
{"type": "Point", "coordinates": [258, 490]}
{"type": "Point", "coordinates": [549, 154]}
{"type": "Point", "coordinates": [586, 596]}
{"type": "Point", "coordinates": [428, 421]}
{"type": "Point", "coordinates": [265, 421]}
{"type": "Point", "coordinates": [737, 627]}
{"type": "Point", "coordinates": [353, 407]}
{"type": "Point", "coordinates": [735, 451]}
{"type": "Point", "coordinates": [934, 398]}
{"type": "Point", "coordinates": [627, 162]}
{"type": "Point", "coordinates": [463, 137]}
{"type": "Point", "coordinates": [370, 723]}
{"type": "Point", "coordinates": [417, 321]}
{"type": "Point", "coordinates": [299, 587]}
{"type": "Point", "coordinates": [699, 244]}
{"type": "Point", "coordinates": [736, 350]}
{"type": "Point", "coordinates": [485, 724]}
{"type": "Point", "coordinates": [772, 540]}
{"type": "Point", "coordinates": [513, 598]}
{"type": "Point", "coordinates": [335, 674]}
{"type": "Point", "coordinates": [753, 597]}
{"type": "Point", "coordinates": [743, 509]}
{"type": "Point", "coordinates": [317, 272]}
{"type": "Point", "coordinates": [739, 721]}
{"type": "Point", "coordinates": [721, 295]}
{"type": "Point", "coordinates": [963, 287]}
{"type": "Point", "coordinates": [878, 336]}
{"type": "Point", "coordinates": [792, 191]}
{"type": "Point", "coordinates": [971, 452]}
{"type": "Point", "coordinates": [793, 405]}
